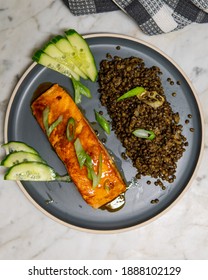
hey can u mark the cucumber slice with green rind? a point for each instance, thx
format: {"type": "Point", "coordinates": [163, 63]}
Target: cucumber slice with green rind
{"type": "Point", "coordinates": [15, 146]}
{"type": "Point", "coordinates": [31, 171]}
{"type": "Point", "coordinates": [82, 49]}
{"type": "Point", "coordinates": [70, 55]}
{"type": "Point", "coordinates": [20, 156]}
{"type": "Point", "coordinates": [47, 61]}
{"type": "Point", "coordinates": [63, 45]}
{"type": "Point", "coordinates": [69, 51]}
{"type": "Point", "coordinates": [25, 164]}
{"type": "Point", "coordinates": [63, 178]}
{"type": "Point", "coordinates": [51, 50]}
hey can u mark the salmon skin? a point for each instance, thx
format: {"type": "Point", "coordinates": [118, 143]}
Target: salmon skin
{"type": "Point", "coordinates": [61, 104]}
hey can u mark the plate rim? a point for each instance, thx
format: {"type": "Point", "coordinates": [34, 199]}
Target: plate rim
{"type": "Point", "coordinates": [158, 215]}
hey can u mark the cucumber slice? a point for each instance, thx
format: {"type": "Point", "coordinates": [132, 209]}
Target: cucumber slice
{"type": "Point", "coordinates": [63, 45]}
{"type": "Point", "coordinates": [63, 178]}
{"type": "Point", "coordinates": [21, 156]}
{"type": "Point", "coordinates": [30, 171]}
{"type": "Point", "coordinates": [70, 52]}
{"type": "Point", "coordinates": [84, 52]}
{"type": "Point", "coordinates": [51, 50]}
{"type": "Point", "coordinates": [25, 163]}
{"type": "Point", "coordinates": [45, 60]}
{"type": "Point", "coordinates": [15, 146]}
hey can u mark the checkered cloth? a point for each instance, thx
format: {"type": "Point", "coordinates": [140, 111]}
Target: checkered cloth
{"type": "Point", "coordinates": [152, 16]}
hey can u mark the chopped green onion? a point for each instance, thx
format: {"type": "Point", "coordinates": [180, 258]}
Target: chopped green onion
{"type": "Point", "coordinates": [70, 129]}
{"type": "Point", "coordinates": [85, 159]}
{"type": "Point", "coordinates": [77, 95]}
{"type": "Point", "coordinates": [79, 89]}
{"type": "Point", "coordinates": [89, 166]}
{"type": "Point", "coordinates": [96, 177]}
{"type": "Point", "coordinates": [54, 124]}
{"type": "Point", "coordinates": [45, 118]}
{"type": "Point", "coordinates": [80, 152]}
{"type": "Point", "coordinates": [84, 90]}
{"type": "Point", "coordinates": [50, 128]}
{"type": "Point", "coordinates": [102, 122]}
{"type": "Point", "coordinates": [142, 133]}
{"type": "Point", "coordinates": [132, 92]}
{"type": "Point", "coordinates": [91, 173]}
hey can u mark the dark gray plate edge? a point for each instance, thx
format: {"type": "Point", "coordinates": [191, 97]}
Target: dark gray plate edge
{"type": "Point", "coordinates": [119, 36]}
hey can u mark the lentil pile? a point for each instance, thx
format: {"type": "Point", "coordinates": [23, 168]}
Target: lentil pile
{"type": "Point", "coordinates": [158, 157]}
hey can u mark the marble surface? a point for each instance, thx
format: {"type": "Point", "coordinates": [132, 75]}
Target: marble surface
{"type": "Point", "coordinates": [25, 232]}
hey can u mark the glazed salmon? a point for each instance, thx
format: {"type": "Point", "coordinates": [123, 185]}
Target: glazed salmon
{"type": "Point", "coordinates": [60, 104]}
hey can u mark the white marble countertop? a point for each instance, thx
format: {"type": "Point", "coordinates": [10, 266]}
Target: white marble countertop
{"type": "Point", "coordinates": [25, 232]}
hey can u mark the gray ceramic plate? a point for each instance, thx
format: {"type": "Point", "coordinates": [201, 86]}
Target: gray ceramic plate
{"type": "Point", "coordinates": [61, 201]}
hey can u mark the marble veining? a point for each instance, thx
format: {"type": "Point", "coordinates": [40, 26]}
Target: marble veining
{"type": "Point", "coordinates": [25, 232]}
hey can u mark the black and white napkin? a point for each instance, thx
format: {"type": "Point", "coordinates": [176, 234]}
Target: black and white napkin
{"type": "Point", "coordinates": [152, 16]}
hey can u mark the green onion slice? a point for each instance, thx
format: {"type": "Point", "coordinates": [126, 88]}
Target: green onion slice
{"type": "Point", "coordinates": [85, 159]}
{"type": "Point", "coordinates": [80, 152]}
{"type": "Point", "coordinates": [102, 122]}
{"type": "Point", "coordinates": [79, 89]}
{"type": "Point", "coordinates": [91, 173]}
{"type": "Point", "coordinates": [70, 129]}
{"type": "Point", "coordinates": [142, 133]}
{"type": "Point", "coordinates": [132, 92]}
{"type": "Point", "coordinates": [77, 94]}
{"type": "Point", "coordinates": [97, 177]}
{"type": "Point", "coordinates": [84, 90]}
{"type": "Point", "coordinates": [50, 128]}
{"type": "Point", "coordinates": [45, 118]}
{"type": "Point", "coordinates": [89, 166]}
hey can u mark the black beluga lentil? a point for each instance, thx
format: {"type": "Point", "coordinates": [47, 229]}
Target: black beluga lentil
{"type": "Point", "coordinates": [158, 157]}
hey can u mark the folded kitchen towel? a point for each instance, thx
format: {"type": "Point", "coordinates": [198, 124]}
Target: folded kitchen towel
{"type": "Point", "coordinates": [152, 16]}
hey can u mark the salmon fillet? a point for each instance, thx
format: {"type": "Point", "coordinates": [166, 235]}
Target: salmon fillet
{"type": "Point", "coordinates": [60, 103]}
